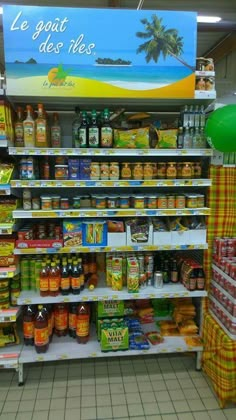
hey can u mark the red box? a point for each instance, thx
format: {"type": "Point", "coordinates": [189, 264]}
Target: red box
{"type": "Point", "coordinates": [40, 243]}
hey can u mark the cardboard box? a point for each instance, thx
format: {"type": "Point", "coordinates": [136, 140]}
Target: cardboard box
{"type": "Point", "coordinates": [197, 236]}
{"type": "Point", "coordinates": [131, 241]}
{"type": "Point", "coordinates": [110, 308]}
{"type": "Point", "coordinates": [114, 338]}
{"type": "Point", "coordinates": [180, 237]}
{"type": "Point", "coordinates": [94, 233]}
{"type": "Point", "coordinates": [40, 243]}
{"type": "Point", "coordinates": [116, 239]}
{"type": "Point", "coordinates": [161, 238]}
{"type": "Point", "coordinates": [72, 232]}
{"type": "Point", "coordinates": [84, 168]}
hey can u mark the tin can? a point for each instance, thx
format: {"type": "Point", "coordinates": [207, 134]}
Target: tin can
{"type": "Point", "coordinates": [46, 202]}
{"type": "Point", "coordinates": [64, 203]}
{"type": "Point", "coordinates": [197, 170]}
{"type": "Point", "coordinates": [158, 280]}
{"type": "Point", "coordinates": [76, 202]}
{"type": "Point", "coordinates": [104, 170]}
{"type": "Point", "coordinates": [231, 247]}
{"type": "Point", "coordinates": [170, 201]}
{"type": "Point", "coordinates": [56, 201]}
{"type": "Point", "coordinates": [200, 200]}
{"type": "Point", "coordinates": [36, 203]}
{"type": "Point", "coordinates": [95, 170]}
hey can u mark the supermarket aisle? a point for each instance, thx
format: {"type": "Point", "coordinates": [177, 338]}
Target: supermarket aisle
{"type": "Point", "coordinates": [141, 388]}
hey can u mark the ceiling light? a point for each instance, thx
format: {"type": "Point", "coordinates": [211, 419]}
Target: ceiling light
{"type": "Point", "coordinates": [1, 10]}
{"type": "Point", "coordinates": [208, 19]}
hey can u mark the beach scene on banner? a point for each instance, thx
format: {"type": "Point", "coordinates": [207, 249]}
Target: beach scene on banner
{"type": "Point", "coordinates": [86, 52]}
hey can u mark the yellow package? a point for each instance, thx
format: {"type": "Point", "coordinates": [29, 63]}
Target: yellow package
{"type": "Point", "coordinates": [138, 138]}
{"type": "Point", "coordinates": [109, 269]}
{"type": "Point", "coordinates": [117, 273]}
{"type": "Point", "coordinates": [167, 139]}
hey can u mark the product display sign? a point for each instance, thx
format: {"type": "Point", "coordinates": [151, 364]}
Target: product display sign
{"type": "Point", "coordinates": [109, 53]}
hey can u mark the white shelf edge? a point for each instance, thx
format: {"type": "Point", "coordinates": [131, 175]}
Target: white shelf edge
{"type": "Point", "coordinates": [232, 336]}
{"type": "Point", "coordinates": [204, 73]}
{"type": "Point", "coordinates": [9, 315]}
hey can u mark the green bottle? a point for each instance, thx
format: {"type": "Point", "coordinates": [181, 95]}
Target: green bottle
{"type": "Point", "coordinates": [93, 131]}
{"type": "Point", "coordinates": [83, 131]}
{"type": "Point", "coordinates": [75, 127]}
{"type": "Point", "coordinates": [106, 130]}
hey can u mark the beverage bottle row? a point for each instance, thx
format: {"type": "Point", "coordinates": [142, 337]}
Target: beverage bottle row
{"type": "Point", "coordinates": [191, 138]}
{"type": "Point", "coordinates": [41, 322]}
{"type": "Point", "coordinates": [191, 116]}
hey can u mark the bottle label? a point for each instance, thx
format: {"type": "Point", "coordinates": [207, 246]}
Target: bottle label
{"type": "Point", "coordinates": [61, 321]}
{"type": "Point", "coordinates": [75, 282]}
{"type": "Point", "coordinates": [56, 136]}
{"type": "Point", "coordinates": [93, 137]}
{"type": "Point", "coordinates": [43, 284]}
{"type": "Point", "coordinates": [29, 133]}
{"type": "Point", "coordinates": [174, 276]}
{"type": "Point", "coordinates": [19, 134]}
{"type": "Point", "coordinates": [106, 137]}
{"type": "Point", "coordinates": [65, 283]}
{"type": "Point", "coordinates": [72, 321]}
{"type": "Point", "coordinates": [41, 336]}
{"type": "Point", "coordinates": [82, 327]}
{"type": "Point", "coordinates": [54, 284]}
{"type": "Point", "coordinates": [41, 132]}
{"type": "Point", "coordinates": [200, 283]}
{"type": "Point", "coordinates": [81, 277]}
{"type": "Point", "coordinates": [82, 137]}
{"type": "Point", "coordinates": [49, 326]}
{"type": "Point", "coordinates": [75, 136]}
{"type": "Point", "coordinates": [28, 328]}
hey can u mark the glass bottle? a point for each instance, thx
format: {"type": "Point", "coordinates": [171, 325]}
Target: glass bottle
{"type": "Point", "coordinates": [29, 128]}
{"type": "Point", "coordinates": [83, 131]}
{"type": "Point", "coordinates": [28, 325]}
{"type": "Point", "coordinates": [75, 128]}
{"type": "Point", "coordinates": [165, 272]}
{"type": "Point", "coordinates": [180, 139]}
{"type": "Point", "coordinates": [92, 282]}
{"type": "Point", "coordinates": [93, 131]}
{"type": "Point", "coordinates": [200, 279]}
{"type": "Point", "coordinates": [106, 130]}
{"type": "Point", "coordinates": [41, 339]}
{"type": "Point", "coordinates": [19, 129]}
{"type": "Point", "coordinates": [41, 128]}
{"type": "Point", "coordinates": [174, 272]}
{"type": "Point", "coordinates": [187, 139]}
{"type": "Point", "coordinates": [55, 131]}
{"type": "Point", "coordinates": [82, 326]}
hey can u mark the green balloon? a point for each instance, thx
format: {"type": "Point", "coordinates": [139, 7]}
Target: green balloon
{"type": "Point", "coordinates": [220, 129]}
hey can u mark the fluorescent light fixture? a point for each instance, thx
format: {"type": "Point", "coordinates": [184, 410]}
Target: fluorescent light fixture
{"type": "Point", "coordinates": [208, 19]}
{"type": "Point", "coordinates": [1, 10]}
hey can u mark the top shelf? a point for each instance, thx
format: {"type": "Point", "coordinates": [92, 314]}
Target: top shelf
{"type": "Point", "coordinates": [34, 151]}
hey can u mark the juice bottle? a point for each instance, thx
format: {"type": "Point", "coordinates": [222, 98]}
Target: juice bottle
{"type": "Point", "coordinates": [73, 319]}
{"type": "Point", "coordinates": [65, 279]}
{"type": "Point", "coordinates": [106, 130]}
{"type": "Point", "coordinates": [49, 311]}
{"type": "Point", "coordinates": [93, 131]}
{"type": "Point", "coordinates": [43, 281]}
{"type": "Point", "coordinates": [75, 128]}
{"type": "Point", "coordinates": [41, 339]}
{"type": "Point", "coordinates": [28, 325]}
{"type": "Point", "coordinates": [54, 280]}
{"type": "Point", "coordinates": [41, 128]}
{"type": "Point", "coordinates": [82, 327]}
{"type": "Point", "coordinates": [45, 169]}
{"type": "Point", "coordinates": [61, 319]}
{"type": "Point", "coordinates": [75, 278]}
{"type": "Point", "coordinates": [29, 128]}
{"type": "Point", "coordinates": [19, 129]}
{"type": "Point", "coordinates": [81, 273]}
{"type": "Point", "coordinates": [83, 131]}
{"type": "Point", "coordinates": [92, 281]}
{"type": "Point", "coordinates": [55, 131]}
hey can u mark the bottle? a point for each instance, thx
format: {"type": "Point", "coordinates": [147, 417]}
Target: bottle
{"type": "Point", "coordinates": [45, 169]}
{"type": "Point", "coordinates": [61, 319]}
{"type": "Point", "coordinates": [41, 339]}
{"type": "Point", "coordinates": [180, 139]}
{"type": "Point", "coordinates": [65, 279]}
{"type": "Point", "coordinates": [92, 282]}
{"type": "Point", "coordinates": [82, 326]}
{"type": "Point", "coordinates": [49, 311]}
{"type": "Point", "coordinates": [41, 128]}
{"type": "Point", "coordinates": [106, 130]}
{"type": "Point", "coordinates": [202, 116]}
{"type": "Point", "coordinates": [187, 139]}
{"type": "Point", "coordinates": [93, 131]}
{"type": "Point", "coordinates": [27, 199]}
{"type": "Point", "coordinates": [81, 273]}
{"type": "Point", "coordinates": [196, 117]}
{"type": "Point", "coordinates": [165, 272]}
{"type": "Point", "coordinates": [83, 131]}
{"type": "Point", "coordinates": [43, 281]}
{"type": "Point", "coordinates": [174, 272]}
{"type": "Point", "coordinates": [75, 128]}
{"type": "Point", "coordinates": [73, 320]}
{"type": "Point", "coordinates": [75, 279]}
{"type": "Point", "coordinates": [54, 280]}
{"type": "Point", "coordinates": [19, 128]}
{"type": "Point", "coordinates": [28, 325]}
{"type": "Point", "coordinates": [191, 116]}
{"type": "Point", "coordinates": [29, 128]}
{"type": "Point", "coordinates": [192, 280]}
{"type": "Point", "coordinates": [55, 131]}
{"type": "Point", "coordinates": [200, 279]}
{"type": "Point", "coordinates": [185, 116]}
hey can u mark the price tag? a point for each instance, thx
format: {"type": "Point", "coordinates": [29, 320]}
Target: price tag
{"type": "Point", "coordinates": [4, 274]}
{"type": "Point", "coordinates": [136, 295]}
{"type": "Point", "coordinates": [94, 298]}
{"type": "Point", "coordinates": [63, 356]}
{"type": "Point", "coordinates": [84, 298]}
{"type": "Point", "coordinates": [59, 184]}
{"type": "Point", "coordinates": [163, 350]}
{"type": "Point", "coordinates": [115, 297]}
{"type": "Point", "coordinates": [184, 152]}
{"type": "Point", "coordinates": [27, 301]}
{"type": "Point", "coordinates": [144, 351]}
{"type": "Point", "coordinates": [105, 297]}
{"type": "Point", "coordinates": [93, 354]}
{"type": "Point", "coordinates": [39, 358]}
{"type": "Point", "coordinates": [66, 299]}
{"type": "Point", "coordinates": [152, 296]}
{"type": "Point", "coordinates": [179, 349]}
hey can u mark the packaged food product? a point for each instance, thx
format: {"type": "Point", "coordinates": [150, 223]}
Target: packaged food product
{"type": "Point", "coordinates": [180, 201]}
{"type": "Point", "coordinates": [116, 276]}
{"type": "Point", "coordinates": [61, 172]}
{"type": "Point", "coordinates": [113, 202]}
{"type": "Point", "coordinates": [46, 202]}
{"type": "Point", "coordinates": [209, 64]}
{"type": "Point", "coordinates": [154, 337]}
{"type": "Point", "coordinates": [138, 341]}
{"type": "Point", "coordinates": [76, 202]}
{"type": "Point", "coordinates": [161, 170]}
{"type": "Point", "coordinates": [94, 233]}
{"type": "Point", "coordinates": [72, 232]}
{"type": "Point", "coordinates": [137, 171]}
{"type": "Point", "coordinates": [110, 308]}
{"type": "Point", "coordinates": [200, 63]}
{"type": "Point", "coordinates": [148, 170]}
{"type": "Point", "coordinates": [84, 168]}
{"type": "Point", "coordinates": [191, 201]}
{"type": "Point", "coordinates": [171, 171]}
{"type": "Point", "coordinates": [101, 202]}
{"type": "Point", "coordinates": [132, 275]}
{"type": "Point", "coordinates": [114, 335]}
{"type": "Point", "coordinates": [126, 171]}
{"type": "Point", "coordinates": [151, 202]}
{"type": "Point", "coordinates": [64, 203]}
{"type": "Point", "coordinates": [36, 203]}
{"type": "Point", "coordinates": [170, 201]}
{"type": "Point", "coordinates": [95, 170]}
{"type": "Point", "coordinates": [137, 138]}
{"type": "Point", "coordinates": [210, 83]}
{"type": "Point", "coordinates": [139, 201]}
{"type": "Point", "coordinates": [6, 170]}
{"type": "Point", "coordinates": [167, 139]}
{"type": "Point", "coordinates": [104, 170]}
{"type": "Point", "coordinates": [186, 170]}
{"type": "Point", "coordinates": [162, 202]}
{"type": "Point", "coordinates": [74, 168]}
{"type": "Point", "coordinates": [124, 201]}
{"type": "Point", "coordinates": [200, 200]}
{"type": "Point", "coordinates": [56, 201]}
{"type": "Point", "coordinates": [114, 170]}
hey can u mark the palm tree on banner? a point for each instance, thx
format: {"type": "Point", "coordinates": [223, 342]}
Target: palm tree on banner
{"type": "Point", "coordinates": [160, 41]}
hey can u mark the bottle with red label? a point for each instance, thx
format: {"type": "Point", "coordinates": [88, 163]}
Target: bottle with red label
{"type": "Point", "coordinates": [73, 319]}
{"type": "Point", "coordinates": [65, 279]}
{"type": "Point", "coordinates": [200, 279]}
{"type": "Point", "coordinates": [28, 325]}
{"type": "Point", "coordinates": [82, 327]}
{"type": "Point", "coordinates": [41, 339]}
{"type": "Point", "coordinates": [54, 280]}
{"type": "Point", "coordinates": [43, 281]}
{"type": "Point", "coordinates": [49, 312]}
{"type": "Point", "coordinates": [61, 319]}
{"type": "Point", "coordinates": [75, 278]}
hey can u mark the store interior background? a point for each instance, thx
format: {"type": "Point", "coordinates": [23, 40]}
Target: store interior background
{"type": "Point", "coordinates": [216, 40]}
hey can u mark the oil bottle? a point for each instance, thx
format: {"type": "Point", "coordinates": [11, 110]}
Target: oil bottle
{"type": "Point", "coordinates": [82, 327]}
{"type": "Point", "coordinates": [29, 128]}
{"type": "Point", "coordinates": [19, 128]}
{"type": "Point", "coordinates": [28, 325]}
{"type": "Point", "coordinates": [41, 339]}
{"type": "Point", "coordinates": [41, 128]}
{"type": "Point", "coordinates": [93, 131]}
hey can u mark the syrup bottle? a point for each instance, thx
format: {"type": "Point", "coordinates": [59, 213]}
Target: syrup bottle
{"type": "Point", "coordinates": [41, 339]}
{"type": "Point", "coordinates": [28, 325]}
{"type": "Point", "coordinates": [82, 327]}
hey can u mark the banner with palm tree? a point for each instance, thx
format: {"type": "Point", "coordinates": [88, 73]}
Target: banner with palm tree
{"type": "Point", "coordinates": [94, 52]}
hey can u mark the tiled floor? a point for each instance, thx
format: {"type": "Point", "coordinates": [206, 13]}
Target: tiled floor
{"type": "Point", "coordinates": [139, 388]}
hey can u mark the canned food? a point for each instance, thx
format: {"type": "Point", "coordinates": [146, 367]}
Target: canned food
{"type": "Point", "coordinates": [95, 170]}
{"type": "Point", "coordinates": [180, 201]}
{"type": "Point", "coordinates": [126, 171]}
{"type": "Point", "coordinates": [170, 201]}
{"type": "Point", "coordinates": [151, 202]}
{"type": "Point", "coordinates": [162, 202]}
{"type": "Point", "coordinates": [161, 170]}
{"type": "Point", "coordinates": [137, 172]}
{"type": "Point", "coordinates": [171, 171]}
{"type": "Point", "coordinates": [114, 170]}
{"type": "Point", "coordinates": [191, 201]}
{"type": "Point", "coordinates": [187, 170]}
{"type": "Point", "coordinates": [101, 201]}
{"type": "Point", "coordinates": [46, 202]}
{"type": "Point", "coordinates": [148, 170]}
{"type": "Point", "coordinates": [61, 171]}
{"type": "Point", "coordinates": [104, 170]}
{"type": "Point", "coordinates": [124, 201]}
{"type": "Point", "coordinates": [139, 202]}
{"type": "Point", "coordinates": [158, 280]}
{"type": "Point", "coordinates": [64, 203]}
{"type": "Point", "coordinates": [56, 201]}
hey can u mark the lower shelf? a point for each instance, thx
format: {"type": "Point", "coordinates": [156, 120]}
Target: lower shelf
{"type": "Point", "coordinates": [9, 356]}
{"type": "Point", "coordinates": [67, 348]}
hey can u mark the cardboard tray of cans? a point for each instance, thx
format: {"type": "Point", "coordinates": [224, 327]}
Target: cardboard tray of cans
{"type": "Point", "coordinates": [223, 316]}
{"type": "Point", "coordinates": [221, 295]}
{"type": "Point", "coordinates": [224, 281]}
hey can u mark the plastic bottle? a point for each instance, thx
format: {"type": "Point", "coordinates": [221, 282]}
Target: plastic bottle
{"type": "Point", "coordinates": [92, 282]}
{"type": "Point", "coordinates": [49, 312]}
{"type": "Point", "coordinates": [43, 281]}
{"type": "Point", "coordinates": [75, 279]}
{"type": "Point", "coordinates": [41, 339]}
{"type": "Point", "coordinates": [75, 128]}
{"type": "Point", "coordinates": [19, 129]}
{"type": "Point", "coordinates": [28, 325]}
{"type": "Point", "coordinates": [45, 169]}
{"type": "Point", "coordinates": [29, 128]}
{"type": "Point", "coordinates": [54, 280]}
{"type": "Point", "coordinates": [73, 319]}
{"type": "Point", "coordinates": [55, 131]}
{"type": "Point", "coordinates": [65, 279]}
{"type": "Point", "coordinates": [81, 273]}
{"type": "Point", "coordinates": [61, 319]}
{"type": "Point", "coordinates": [82, 327]}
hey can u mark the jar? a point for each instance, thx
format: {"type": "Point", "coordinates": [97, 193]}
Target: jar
{"type": "Point", "coordinates": [64, 203]}
{"type": "Point", "coordinates": [151, 202]}
{"type": "Point", "coordinates": [200, 63]}
{"type": "Point", "coordinates": [197, 170]}
{"type": "Point", "coordinates": [180, 201]}
{"type": "Point", "coordinates": [104, 170]}
{"type": "Point", "coordinates": [200, 83]}
{"type": "Point", "coordinates": [162, 202]}
{"type": "Point", "coordinates": [124, 201]}
{"type": "Point", "coordinates": [101, 201]}
{"type": "Point", "coordinates": [154, 168]}
{"type": "Point", "coordinates": [76, 202]}
{"type": "Point", "coordinates": [15, 292]}
{"type": "Point", "coordinates": [139, 202]}
{"type": "Point", "coordinates": [170, 201]}
{"type": "Point", "coordinates": [36, 203]}
{"type": "Point", "coordinates": [27, 204]}
{"type": "Point", "coordinates": [125, 171]}
{"type": "Point", "coordinates": [200, 200]}
{"type": "Point", "coordinates": [46, 202]}
{"type": "Point", "coordinates": [95, 171]}
{"type": "Point", "coordinates": [171, 172]}
{"type": "Point", "coordinates": [85, 201]}
{"type": "Point", "coordinates": [209, 64]}
{"type": "Point", "coordinates": [93, 201]}
{"type": "Point", "coordinates": [187, 170]}
{"type": "Point", "coordinates": [114, 171]}
{"type": "Point", "coordinates": [191, 201]}
{"type": "Point", "coordinates": [61, 171]}
{"type": "Point", "coordinates": [148, 170]}
{"type": "Point", "coordinates": [161, 170]}
{"type": "Point", "coordinates": [113, 202]}
{"type": "Point", "coordinates": [179, 166]}
{"type": "Point", "coordinates": [137, 172]}
{"type": "Point", "coordinates": [56, 201]}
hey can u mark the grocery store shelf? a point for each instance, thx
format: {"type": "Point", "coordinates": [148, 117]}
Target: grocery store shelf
{"type": "Point", "coordinates": [31, 214]}
{"type": "Point", "coordinates": [9, 315]}
{"type": "Point", "coordinates": [7, 228]}
{"type": "Point", "coordinates": [5, 189]}
{"type": "Point", "coordinates": [106, 293]}
{"type": "Point", "coordinates": [232, 336]}
{"type": "Point", "coordinates": [9, 356]}
{"type": "Point", "coordinates": [222, 273]}
{"type": "Point", "coordinates": [205, 73]}
{"type": "Point", "coordinates": [20, 183]}
{"type": "Point", "coordinates": [85, 249]}
{"type": "Point", "coordinates": [3, 143]}
{"type": "Point", "coordinates": [67, 348]}
{"type": "Point", "coordinates": [205, 94]}
{"type": "Point", "coordinates": [8, 272]}
{"type": "Point", "coordinates": [26, 151]}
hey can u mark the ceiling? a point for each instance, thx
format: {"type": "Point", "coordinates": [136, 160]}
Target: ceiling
{"type": "Point", "coordinates": [208, 35]}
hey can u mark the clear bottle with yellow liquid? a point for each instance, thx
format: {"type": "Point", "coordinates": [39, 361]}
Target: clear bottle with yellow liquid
{"type": "Point", "coordinates": [29, 128]}
{"type": "Point", "coordinates": [41, 128]}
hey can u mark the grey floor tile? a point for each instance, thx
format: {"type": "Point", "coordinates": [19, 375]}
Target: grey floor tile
{"type": "Point", "coordinates": [135, 410]}
{"type": "Point", "coordinates": [24, 415]}
{"type": "Point", "coordinates": [150, 408]}
{"type": "Point", "coordinates": [230, 413]}
{"type": "Point", "coordinates": [41, 405]}
{"type": "Point", "coordinates": [217, 415]}
{"type": "Point", "coordinates": [72, 414]}
{"type": "Point", "coordinates": [201, 415]}
{"type": "Point", "coordinates": [58, 404]}
{"type": "Point", "coordinates": [119, 411]}
{"type": "Point", "coordinates": [118, 399]}
{"type": "Point", "coordinates": [10, 407]}
{"type": "Point", "coordinates": [8, 416]}
{"type": "Point", "coordinates": [211, 403]}
{"type": "Point", "coordinates": [56, 415]}
{"type": "Point", "coordinates": [40, 415]}
{"type": "Point", "coordinates": [88, 413]}
{"type": "Point", "coordinates": [104, 412]}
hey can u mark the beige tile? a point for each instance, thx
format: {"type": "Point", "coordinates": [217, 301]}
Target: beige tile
{"type": "Point", "coordinates": [14, 395]}
{"type": "Point", "coordinates": [201, 415]}
{"type": "Point", "coordinates": [115, 379]}
{"type": "Point", "coordinates": [177, 395]}
{"type": "Point", "coordinates": [162, 396]}
{"type": "Point", "coordinates": [172, 384]}
{"type": "Point", "coordinates": [217, 415]}
{"type": "Point", "coordinates": [153, 417]}
{"type": "Point", "coordinates": [10, 407]}
{"type": "Point", "coordinates": [169, 417]}
{"type": "Point", "coordinates": [132, 387]}
{"type": "Point", "coordinates": [181, 406]}
{"type": "Point", "coordinates": [127, 379]}
{"type": "Point", "coordinates": [196, 405]}
{"type": "Point", "coordinates": [205, 392]}
{"type": "Point", "coordinates": [58, 404]}
{"type": "Point", "coordinates": [88, 413]}
{"type": "Point", "coordinates": [148, 397]}
{"type": "Point", "coordinates": [29, 395]}
{"type": "Point", "coordinates": [116, 388]}
{"type": "Point", "coordinates": [60, 383]}
{"type": "Point", "coordinates": [185, 416]}
{"type": "Point", "coordinates": [57, 415]}
{"type": "Point", "coordinates": [24, 415]}
{"type": "Point", "coordinates": [144, 386]}
{"type": "Point", "coordinates": [158, 386]}
{"type": "Point", "coordinates": [230, 413]}
{"type": "Point", "coordinates": [88, 401]}
{"type": "Point", "coordinates": [40, 415]}
{"type": "Point", "coordinates": [135, 410]}
{"type": "Point", "coordinates": [3, 395]}
{"type": "Point", "coordinates": [44, 394]}
{"type": "Point", "coordinates": [74, 391]}
{"type": "Point", "coordinates": [166, 407]}
{"type": "Point", "coordinates": [42, 405]}
{"type": "Point", "coordinates": [118, 399]}
{"type": "Point", "coordinates": [133, 398]}
{"type": "Point", "coordinates": [101, 380]}
{"type": "Point", "coordinates": [103, 400]}
{"type": "Point", "coordinates": [186, 383]}
{"type": "Point", "coordinates": [102, 389]}
{"type": "Point", "coordinates": [72, 402]}
{"type": "Point", "coordinates": [72, 414]}
{"type": "Point", "coordinates": [150, 408]}
{"type": "Point", "coordinates": [210, 403]}
{"type": "Point", "coordinates": [170, 375]}
{"type": "Point", "coordinates": [104, 412]}
{"type": "Point", "coordinates": [191, 394]}
{"type": "Point", "coordinates": [59, 393]}
{"type": "Point", "coordinates": [88, 390]}
{"type": "Point", "coordinates": [140, 377]}
{"type": "Point", "coordinates": [200, 382]}
{"type": "Point", "coordinates": [119, 411]}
